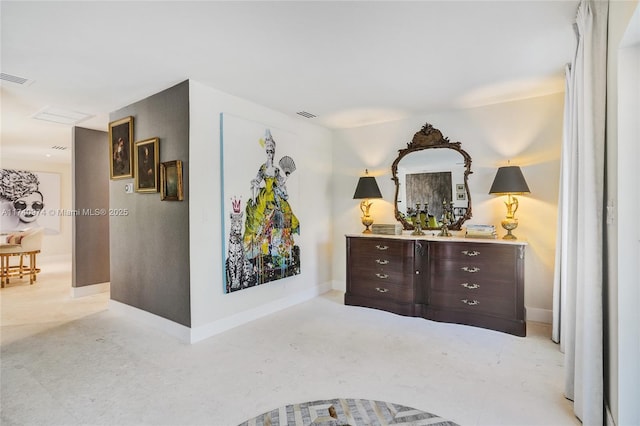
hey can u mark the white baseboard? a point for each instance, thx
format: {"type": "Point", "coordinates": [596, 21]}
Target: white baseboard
{"type": "Point", "coordinates": [89, 290]}
{"type": "Point", "coordinates": [339, 285]}
{"type": "Point", "coordinates": [193, 335]}
{"type": "Point", "coordinates": [539, 315]}
{"type": "Point", "coordinates": [207, 330]}
{"type": "Point", "coordinates": [174, 329]}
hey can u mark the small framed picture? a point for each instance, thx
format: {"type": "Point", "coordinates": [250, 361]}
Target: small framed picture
{"type": "Point", "coordinates": [171, 181]}
{"type": "Point", "coordinates": [120, 152]}
{"type": "Point", "coordinates": [459, 211]}
{"type": "Point", "coordinates": [146, 164]}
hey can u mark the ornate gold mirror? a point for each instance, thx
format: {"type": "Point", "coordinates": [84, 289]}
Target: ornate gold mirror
{"type": "Point", "coordinates": [431, 182]}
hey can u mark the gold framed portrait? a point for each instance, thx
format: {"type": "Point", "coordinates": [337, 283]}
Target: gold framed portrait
{"type": "Point", "coordinates": [146, 156]}
{"type": "Point", "coordinates": [120, 152]}
{"type": "Point", "coordinates": [171, 181]}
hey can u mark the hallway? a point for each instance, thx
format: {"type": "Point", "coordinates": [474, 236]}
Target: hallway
{"type": "Point", "coordinates": [28, 310]}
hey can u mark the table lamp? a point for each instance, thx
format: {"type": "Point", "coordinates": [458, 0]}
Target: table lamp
{"type": "Point", "coordinates": [509, 181]}
{"type": "Point", "coordinates": [367, 188]}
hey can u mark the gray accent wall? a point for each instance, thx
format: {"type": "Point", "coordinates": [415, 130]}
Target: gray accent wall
{"type": "Point", "coordinates": [150, 245]}
{"type": "Point", "coordinates": [90, 231]}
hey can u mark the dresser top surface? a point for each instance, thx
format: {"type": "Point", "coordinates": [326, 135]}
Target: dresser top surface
{"type": "Point", "coordinates": [453, 239]}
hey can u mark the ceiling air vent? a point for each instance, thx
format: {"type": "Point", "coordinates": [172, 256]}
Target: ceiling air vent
{"type": "Point", "coordinates": [306, 114]}
{"type": "Point", "coordinates": [58, 147]}
{"type": "Point", "coordinates": [61, 116]}
{"type": "Point", "coordinates": [15, 79]}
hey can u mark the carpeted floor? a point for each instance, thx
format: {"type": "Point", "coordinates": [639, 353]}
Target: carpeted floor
{"type": "Point", "coordinates": [74, 362]}
{"type": "Point", "coordinates": [354, 412]}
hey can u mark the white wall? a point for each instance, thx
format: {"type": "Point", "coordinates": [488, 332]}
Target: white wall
{"type": "Point", "coordinates": [213, 311]}
{"type": "Point", "coordinates": [527, 132]}
{"type": "Point", "coordinates": [56, 246]}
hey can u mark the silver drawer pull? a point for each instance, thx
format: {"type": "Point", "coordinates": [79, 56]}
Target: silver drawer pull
{"type": "Point", "coordinates": [382, 290]}
{"type": "Point", "coordinates": [471, 269]}
{"type": "Point", "coordinates": [382, 262]}
{"type": "Point", "coordinates": [383, 276]}
{"type": "Point", "coordinates": [471, 286]}
{"type": "Point", "coordinates": [470, 253]}
{"type": "Point", "coordinates": [470, 302]}
{"type": "Point", "coordinates": [382, 247]}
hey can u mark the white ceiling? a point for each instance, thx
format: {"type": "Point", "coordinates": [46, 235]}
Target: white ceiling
{"type": "Point", "coordinates": [349, 63]}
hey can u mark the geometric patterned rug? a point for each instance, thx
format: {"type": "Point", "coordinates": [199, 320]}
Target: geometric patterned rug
{"type": "Point", "coordinates": [340, 412]}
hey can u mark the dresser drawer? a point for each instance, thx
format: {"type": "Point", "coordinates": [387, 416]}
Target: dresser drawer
{"type": "Point", "coordinates": [470, 270]}
{"type": "Point", "coordinates": [382, 275]}
{"type": "Point", "coordinates": [370, 252]}
{"type": "Point", "coordinates": [477, 252]}
{"type": "Point", "coordinates": [474, 303]}
{"type": "Point", "coordinates": [382, 289]}
{"type": "Point", "coordinates": [476, 285]}
{"type": "Point", "coordinates": [392, 267]}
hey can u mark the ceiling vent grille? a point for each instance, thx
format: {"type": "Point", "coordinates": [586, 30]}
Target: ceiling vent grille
{"type": "Point", "coordinates": [15, 79]}
{"type": "Point", "coordinates": [306, 114]}
{"type": "Point", "coordinates": [59, 147]}
{"type": "Point", "coordinates": [61, 116]}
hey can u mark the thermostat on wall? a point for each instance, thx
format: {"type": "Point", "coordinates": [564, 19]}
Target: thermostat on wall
{"type": "Point", "coordinates": [128, 188]}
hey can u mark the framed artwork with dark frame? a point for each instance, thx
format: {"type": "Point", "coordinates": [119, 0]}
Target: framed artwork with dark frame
{"type": "Point", "coordinates": [171, 181]}
{"type": "Point", "coordinates": [120, 152]}
{"type": "Point", "coordinates": [146, 155]}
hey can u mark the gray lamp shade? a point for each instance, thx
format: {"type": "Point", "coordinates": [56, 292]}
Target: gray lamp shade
{"type": "Point", "coordinates": [509, 180]}
{"type": "Point", "coordinates": [367, 188]}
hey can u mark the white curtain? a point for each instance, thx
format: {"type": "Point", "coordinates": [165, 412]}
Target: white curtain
{"type": "Point", "coordinates": [578, 301]}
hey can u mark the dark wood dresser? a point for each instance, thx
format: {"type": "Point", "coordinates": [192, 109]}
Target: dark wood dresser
{"type": "Point", "coordinates": [382, 274]}
{"type": "Point", "coordinates": [464, 281]}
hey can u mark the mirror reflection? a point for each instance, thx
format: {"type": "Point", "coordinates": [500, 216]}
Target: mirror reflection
{"type": "Point", "coordinates": [431, 182]}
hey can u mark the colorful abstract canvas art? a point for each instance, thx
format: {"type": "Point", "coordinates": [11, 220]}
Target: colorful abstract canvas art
{"type": "Point", "coordinates": [259, 196]}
